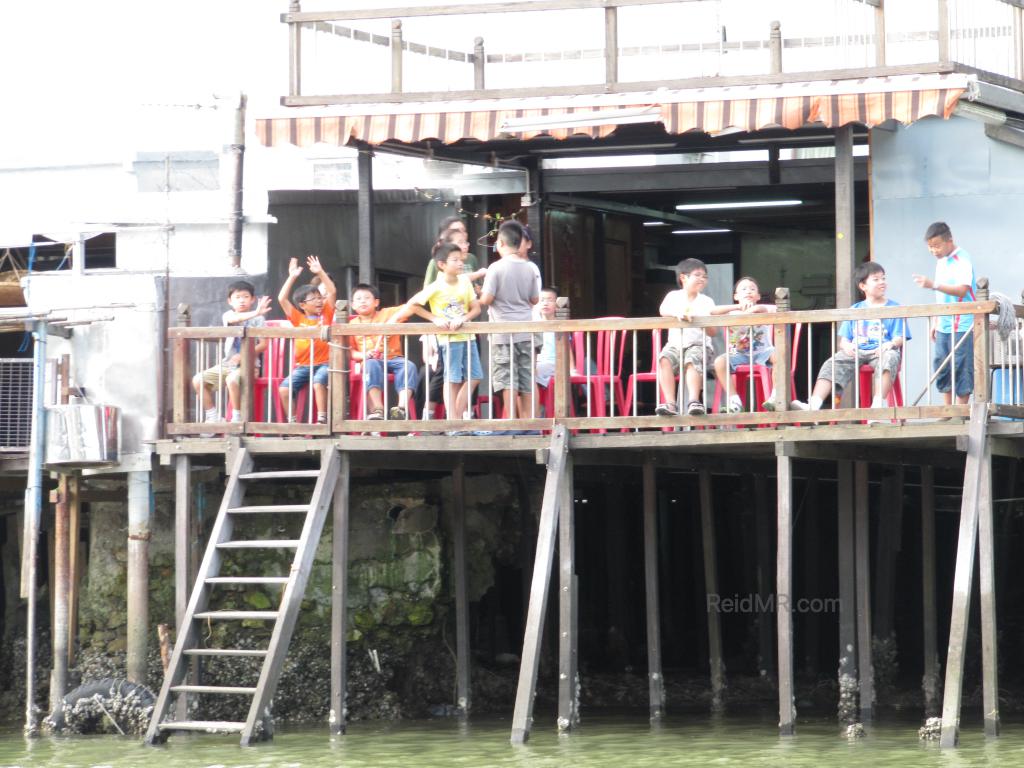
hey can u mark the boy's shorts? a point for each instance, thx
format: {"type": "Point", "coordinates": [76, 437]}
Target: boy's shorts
{"type": "Point", "coordinates": [964, 360]}
{"type": "Point", "coordinates": [760, 357]}
{"type": "Point", "coordinates": [220, 374]}
{"type": "Point", "coordinates": [841, 373]}
{"type": "Point", "coordinates": [300, 377]}
{"type": "Point", "coordinates": [693, 354]}
{"type": "Point", "coordinates": [454, 355]}
{"type": "Point", "coordinates": [523, 364]}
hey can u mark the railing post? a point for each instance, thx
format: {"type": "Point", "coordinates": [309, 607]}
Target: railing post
{"type": "Point", "coordinates": [479, 60]}
{"type": "Point", "coordinates": [339, 362]}
{"type": "Point", "coordinates": [294, 51]}
{"type": "Point", "coordinates": [943, 31]}
{"type": "Point", "coordinates": [781, 374]}
{"type": "Point", "coordinates": [611, 45]}
{"type": "Point", "coordinates": [245, 387]}
{"type": "Point", "coordinates": [179, 369]}
{"type": "Point", "coordinates": [563, 342]}
{"type": "Point", "coordinates": [1018, 42]}
{"type": "Point", "coordinates": [880, 34]}
{"type": "Point", "coordinates": [775, 47]}
{"type": "Point", "coordinates": [396, 55]}
{"type": "Point", "coordinates": [981, 348]}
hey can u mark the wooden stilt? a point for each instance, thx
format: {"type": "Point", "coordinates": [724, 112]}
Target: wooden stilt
{"type": "Point", "coordinates": [338, 718]}
{"type": "Point", "coordinates": [963, 576]}
{"type": "Point", "coordinates": [59, 590]}
{"type": "Point", "coordinates": [568, 630]}
{"type": "Point", "coordinates": [462, 684]}
{"type": "Point", "coordinates": [712, 595]}
{"type": "Point", "coordinates": [656, 684]}
{"type": "Point", "coordinates": [784, 592]}
{"type": "Point", "coordinates": [182, 582]}
{"type": "Point", "coordinates": [74, 561]}
{"type": "Point", "coordinates": [930, 681]}
{"type": "Point", "coordinates": [890, 526]}
{"type": "Point", "coordinates": [862, 569]}
{"type": "Point", "coordinates": [987, 593]}
{"type": "Point", "coordinates": [811, 576]}
{"type": "Point", "coordinates": [765, 542]}
{"type": "Point", "coordinates": [848, 685]}
{"type": "Point", "coordinates": [522, 716]}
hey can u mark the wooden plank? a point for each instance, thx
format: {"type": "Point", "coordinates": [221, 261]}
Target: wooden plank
{"type": "Point", "coordinates": [848, 682]}
{"type": "Point", "coordinates": [655, 679]}
{"type": "Point", "coordinates": [247, 364]}
{"type": "Point", "coordinates": [59, 594]}
{"type": "Point", "coordinates": [845, 218]}
{"type": "Point", "coordinates": [982, 349]}
{"type": "Point", "coordinates": [560, 382]}
{"type": "Point", "coordinates": [568, 630]}
{"type": "Point", "coordinates": [179, 380]}
{"type": "Point", "coordinates": [930, 681]}
{"type": "Point", "coordinates": [338, 718]}
{"type": "Point", "coordinates": [522, 717]}
{"type": "Point", "coordinates": [365, 215]}
{"type": "Point", "coordinates": [182, 540]}
{"type": "Point", "coordinates": [784, 593]}
{"type": "Point", "coordinates": [765, 544]}
{"type": "Point", "coordinates": [911, 454]}
{"type": "Point", "coordinates": [339, 373]}
{"type": "Point", "coordinates": [463, 689]}
{"type": "Point", "coordinates": [611, 45]}
{"type": "Point", "coordinates": [963, 576]}
{"type": "Point", "coordinates": [781, 378]}
{"type": "Point", "coordinates": [862, 570]}
{"type": "Point", "coordinates": [712, 595]}
{"type": "Point", "coordinates": [218, 332]}
{"type": "Point", "coordinates": [987, 593]}
{"type": "Point", "coordinates": [460, 9]}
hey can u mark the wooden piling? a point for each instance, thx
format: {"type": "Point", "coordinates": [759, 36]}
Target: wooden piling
{"type": "Point", "coordinates": [987, 593]}
{"type": "Point", "coordinates": [763, 529]}
{"type": "Point", "coordinates": [888, 536]}
{"type": "Point", "coordinates": [182, 572]}
{"type": "Point", "coordinates": [656, 683]}
{"type": "Point", "coordinates": [707, 528]}
{"type": "Point", "coordinates": [568, 630]}
{"type": "Point", "coordinates": [74, 561]}
{"type": "Point", "coordinates": [462, 680]}
{"type": "Point", "coordinates": [862, 570]}
{"type": "Point", "coordinates": [59, 588]}
{"type": "Point", "coordinates": [848, 684]}
{"type": "Point", "coordinates": [338, 717]}
{"type": "Point", "coordinates": [784, 591]}
{"type": "Point", "coordinates": [930, 680]}
{"type": "Point", "coordinates": [811, 575]}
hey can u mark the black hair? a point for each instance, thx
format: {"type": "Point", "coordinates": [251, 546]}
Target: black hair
{"type": "Point", "coordinates": [866, 269]}
{"type": "Point", "coordinates": [447, 222]}
{"type": "Point", "coordinates": [938, 229]}
{"type": "Point", "coordinates": [736, 285]}
{"type": "Point", "coordinates": [302, 293]}
{"type": "Point", "coordinates": [441, 251]}
{"type": "Point", "coordinates": [511, 233]}
{"type": "Point", "coordinates": [366, 287]}
{"type": "Point", "coordinates": [686, 266]}
{"type": "Point", "coordinates": [549, 289]}
{"type": "Point", "coordinates": [241, 285]}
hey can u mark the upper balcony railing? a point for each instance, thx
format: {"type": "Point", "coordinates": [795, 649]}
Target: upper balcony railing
{"type": "Point", "coordinates": [603, 376]}
{"type": "Point", "coordinates": [511, 48]}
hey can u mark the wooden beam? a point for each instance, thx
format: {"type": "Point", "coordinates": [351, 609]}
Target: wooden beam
{"type": "Point", "coordinates": [74, 561]}
{"type": "Point", "coordinates": [655, 680]}
{"type": "Point", "coordinates": [987, 593]}
{"type": "Point", "coordinates": [462, 650]}
{"type": "Point", "coordinates": [568, 629]}
{"type": "Point", "coordinates": [910, 455]}
{"type": "Point", "coordinates": [459, 9]}
{"type": "Point", "coordinates": [765, 544]}
{"type": "Point", "coordinates": [812, 574]}
{"type": "Point", "coordinates": [522, 716]}
{"type": "Point", "coordinates": [59, 592]}
{"type": "Point", "coordinates": [341, 513]}
{"type": "Point", "coordinates": [182, 576]}
{"type": "Point", "coordinates": [364, 215]}
{"type": "Point", "coordinates": [712, 595]}
{"type": "Point", "coordinates": [862, 569]}
{"type": "Point", "coordinates": [784, 593]}
{"type": "Point", "coordinates": [848, 679]}
{"type": "Point", "coordinates": [845, 217]}
{"type": "Point", "coordinates": [890, 526]}
{"type": "Point", "coordinates": [931, 681]}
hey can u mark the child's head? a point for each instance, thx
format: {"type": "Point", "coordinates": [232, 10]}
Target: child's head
{"type": "Point", "coordinates": [449, 258]}
{"type": "Point", "coordinates": [365, 299]}
{"type": "Point", "coordinates": [870, 279]}
{"type": "Point", "coordinates": [510, 236]}
{"type": "Point", "coordinates": [450, 222]}
{"type": "Point", "coordinates": [309, 300]}
{"type": "Point", "coordinates": [939, 239]}
{"type": "Point", "coordinates": [241, 295]}
{"type": "Point", "coordinates": [457, 236]}
{"type": "Point", "coordinates": [693, 275]}
{"type": "Point", "coordinates": [746, 290]}
{"type": "Point", "coordinates": [547, 302]}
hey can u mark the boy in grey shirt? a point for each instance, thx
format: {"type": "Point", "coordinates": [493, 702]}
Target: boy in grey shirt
{"type": "Point", "coordinates": [511, 288]}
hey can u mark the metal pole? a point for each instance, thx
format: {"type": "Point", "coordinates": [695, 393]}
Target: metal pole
{"type": "Point", "coordinates": [138, 575]}
{"type": "Point", "coordinates": [479, 62]}
{"type": "Point", "coordinates": [33, 512]}
{"type": "Point", "coordinates": [236, 156]}
{"type": "Point", "coordinates": [396, 55]}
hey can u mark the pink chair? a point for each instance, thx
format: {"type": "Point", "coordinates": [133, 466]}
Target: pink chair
{"type": "Point", "coordinates": [646, 376]}
{"type": "Point", "coordinates": [611, 346]}
{"type": "Point", "coordinates": [867, 388]}
{"type": "Point", "coordinates": [762, 375]}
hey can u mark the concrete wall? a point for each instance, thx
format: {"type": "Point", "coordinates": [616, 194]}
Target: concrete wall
{"type": "Point", "coordinates": [945, 170]}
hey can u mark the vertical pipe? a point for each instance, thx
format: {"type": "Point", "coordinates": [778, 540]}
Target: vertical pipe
{"type": "Point", "coordinates": [862, 567]}
{"type": "Point", "coordinates": [59, 672]}
{"type": "Point", "coordinates": [775, 48]}
{"type": "Point", "coordinates": [845, 222]}
{"type": "Point", "coordinates": [784, 592]}
{"type": "Point", "coordinates": [32, 515]}
{"type": "Point", "coordinates": [479, 62]}
{"type": "Point", "coordinates": [568, 630]}
{"type": "Point", "coordinates": [182, 531]}
{"type": "Point", "coordinates": [707, 529]}
{"type": "Point", "coordinates": [847, 597]}
{"type": "Point", "coordinates": [138, 575]}
{"type": "Point", "coordinates": [294, 52]}
{"type": "Point", "coordinates": [656, 683]}
{"type": "Point", "coordinates": [931, 681]}
{"type": "Point", "coordinates": [462, 650]}
{"type": "Point", "coordinates": [611, 45]}
{"type": "Point", "coordinates": [236, 157]}
{"type": "Point", "coordinates": [396, 55]}
{"type": "Point", "coordinates": [339, 598]}
{"type": "Point", "coordinates": [365, 215]}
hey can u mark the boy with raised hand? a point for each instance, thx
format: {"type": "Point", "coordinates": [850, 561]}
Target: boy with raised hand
{"type": "Point", "coordinates": [241, 300]}
{"type": "Point", "coordinates": [872, 341]}
{"type": "Point", "coordinates": [687, 348]}
{"type": "Point", "coordinates": [314, 309]}
{"type": "Point", "coordinates": [746, 344]}
{"type": "Point", "coordinates": [375, 354]}
{"type": "Point", "coordinates": [452, 302]}
{"type": "Point", "coordinates": [511, 288]}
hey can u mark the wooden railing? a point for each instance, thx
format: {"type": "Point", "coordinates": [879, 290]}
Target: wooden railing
{"type": "Point", "coordinates": [574, 398]}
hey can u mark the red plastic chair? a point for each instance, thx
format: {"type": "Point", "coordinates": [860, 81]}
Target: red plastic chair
{"type": "Point", "coordinates": [867, 388]}
{"type": "Point", "coordinates": [647, 376]}
{"type": "Point", "coordinates": [762, 375]}
{"type": "Point", "coordinates": [274, 360]}
{"type": "Point", "coordinates": [611, 346]}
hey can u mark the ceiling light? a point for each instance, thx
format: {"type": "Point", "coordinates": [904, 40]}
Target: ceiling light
{"type": "Point", "coordinates": [699, 231]}
{"type": "Point", "coordinates": [656, 224]}
{"type": "Point", "coordinates": [737, 204]}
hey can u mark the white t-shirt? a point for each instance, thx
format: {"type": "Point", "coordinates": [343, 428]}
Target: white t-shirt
{"type": "Point", "coordinates": [677, 304]}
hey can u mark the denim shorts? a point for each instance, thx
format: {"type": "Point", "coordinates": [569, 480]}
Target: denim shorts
{"type": "Point", "coordinates": [964, 360]}
{"type": "Point", "coordinates": [405, 373]}
{"type": "Point", "coordinates": [761, 357]}
{"type": "Point", "coordinates": [454, 355]}
{"type": "Point", "coordinates": [300, 376]}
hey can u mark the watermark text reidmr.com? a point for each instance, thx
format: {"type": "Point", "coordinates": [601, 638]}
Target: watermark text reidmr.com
{"type": "Point", "coordinates": [770, 603]}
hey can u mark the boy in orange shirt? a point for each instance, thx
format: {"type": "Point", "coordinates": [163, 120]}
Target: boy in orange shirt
{"type": "Point", "coordinates": [315, 309]}
{"type": "Point", "coordinates": [374, 354]}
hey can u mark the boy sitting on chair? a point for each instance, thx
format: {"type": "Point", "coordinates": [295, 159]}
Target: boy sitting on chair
{"type": "Point", "coordinates": [377, 352]}
{"type": "Point", "coordinates": [688, 348]}
{"type": "Point", "coordinates": [747, 344]}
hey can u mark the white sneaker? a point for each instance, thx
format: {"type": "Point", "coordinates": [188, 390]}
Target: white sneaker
{"type": "Point", "coordinates": [735, 404]}
{"type": "Point", "coordinates": [236, 417]}
{"type": "Point", "coordinates": [799, 405]}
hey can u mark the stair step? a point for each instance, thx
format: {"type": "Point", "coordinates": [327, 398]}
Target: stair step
{"type": "Point", "coordinates": [260, 544]}
{"type": "Point", "coordinates": [213, 689]}
{"type": "Point", "coordinates": [237, 615]}
{"type": "Point", "coordinates": [205, 726]}
{"type": "Point", "coordinates": [224, 652]}
{"type": "Point", "coordinates": [264, 508]}
{"type": "Point", "coordinates": [247, 580]}
{"type": "Point", "coordinates": [280, 475]}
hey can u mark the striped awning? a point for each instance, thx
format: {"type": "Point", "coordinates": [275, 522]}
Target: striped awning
{"type": "Point", "coordinates": [867, 101]}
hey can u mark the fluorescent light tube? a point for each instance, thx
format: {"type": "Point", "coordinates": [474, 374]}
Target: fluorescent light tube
{"type": "Point", "coordinates": [737, 204]}
{"type": "Point", "coordinates": [699, 231]}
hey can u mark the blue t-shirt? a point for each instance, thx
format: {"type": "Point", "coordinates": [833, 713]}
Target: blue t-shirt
{"type": "Point", "coordinates": [955, 269]}
{"type": "Point", "coordinates": [871, 332]}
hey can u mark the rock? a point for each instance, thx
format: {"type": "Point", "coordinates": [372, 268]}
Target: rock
{"type": "Point", "coordinates": [417, 519]}
{"type": "Point", "coordinates": [855, 731]}
{"type": "Point", "coordinates": [931, 730]}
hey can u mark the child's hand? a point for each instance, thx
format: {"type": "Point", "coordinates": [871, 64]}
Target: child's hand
{"type": "Point", "coordinates": [313, 262]}
{"type": "Point", "coordinates": [923, 282]}
{"type": "Point", "coordinates": [294, 270]}
{"type": "Point", "coordinates": [455, 323]}
{"type": "Point", "coordinates": [441, 322]}
{"type": "Point", "coordinates": [263, 305]}
{"type": "Point", "coordinates": [686, 317]}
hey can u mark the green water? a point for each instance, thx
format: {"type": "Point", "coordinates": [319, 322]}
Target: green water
{"type": "Point", "coordinates": [622, 740]}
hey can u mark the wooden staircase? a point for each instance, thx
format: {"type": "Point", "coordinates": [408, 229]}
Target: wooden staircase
{"type": "Point", "coordinates": [258, 724]}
